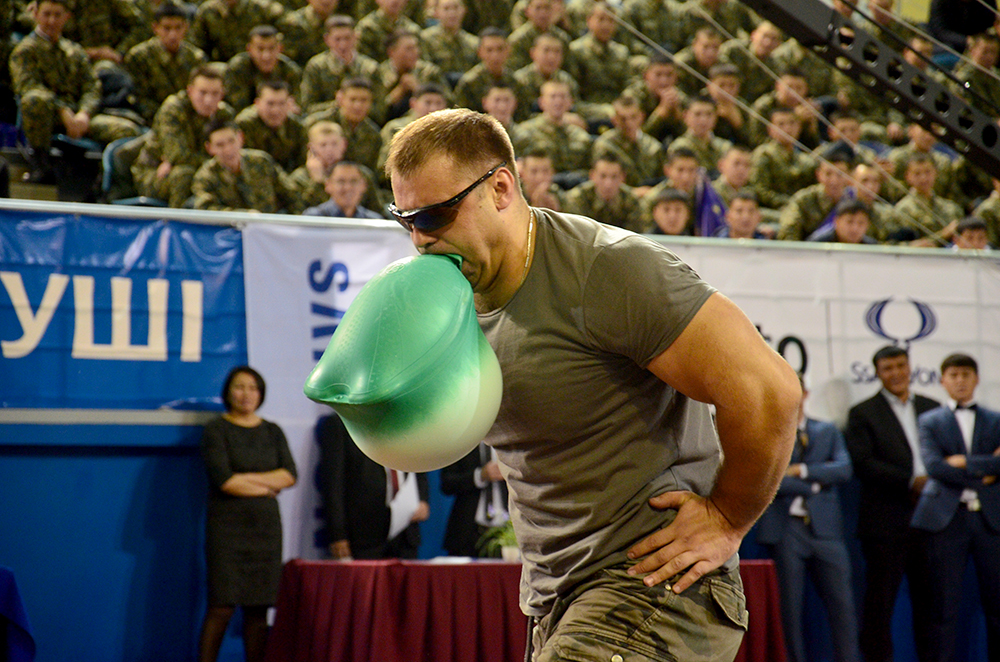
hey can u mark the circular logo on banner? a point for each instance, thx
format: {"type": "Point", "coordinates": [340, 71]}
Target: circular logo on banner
{"type": "Point", "coordinates": [889, 320]}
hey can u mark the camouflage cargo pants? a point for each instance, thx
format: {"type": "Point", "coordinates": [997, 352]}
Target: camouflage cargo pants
{"type": "Point", "coordinates": [40, 119]}
{"type": "Point", "coordinates": [616, 618]}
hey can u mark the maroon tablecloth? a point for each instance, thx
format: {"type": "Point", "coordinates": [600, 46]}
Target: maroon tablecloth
{"type": "Point", "coordinates": [393, 611]}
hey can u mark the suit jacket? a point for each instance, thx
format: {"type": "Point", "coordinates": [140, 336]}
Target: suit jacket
{"type": "Point", "coordinates": [828, 464]}
{"type": "Point", "coordinates": [883, 462]}
{"type": "Point", "coordinates": [458, 479]}
{"type": "Point", "coordinates": [941, 437]}
{"type": "Point", "coordinates": [353, 489]}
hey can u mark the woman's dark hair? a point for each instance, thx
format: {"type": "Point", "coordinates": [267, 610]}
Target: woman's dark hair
{"type": "Point", "coordinates": [229, 381]}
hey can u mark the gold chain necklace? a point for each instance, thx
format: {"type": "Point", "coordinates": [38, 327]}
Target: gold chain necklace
{"type": "Point", "coordinates": [531, 234]}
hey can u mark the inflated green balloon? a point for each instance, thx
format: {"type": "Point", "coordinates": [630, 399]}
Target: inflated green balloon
{"type": "Point", "coordinates": [409, 370]}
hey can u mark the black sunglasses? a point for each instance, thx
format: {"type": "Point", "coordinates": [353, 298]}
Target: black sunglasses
{"type": "Point", "coordinates": [436, 216]}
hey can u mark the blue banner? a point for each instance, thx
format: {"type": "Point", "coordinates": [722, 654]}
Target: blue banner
{"type": "Point", "coordinates": [117, 314]}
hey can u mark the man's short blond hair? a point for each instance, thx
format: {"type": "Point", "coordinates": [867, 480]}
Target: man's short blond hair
{"type": "Point", "coordinates": [325, 128]}
{"type": "Point", "coordinates": [474, 141]}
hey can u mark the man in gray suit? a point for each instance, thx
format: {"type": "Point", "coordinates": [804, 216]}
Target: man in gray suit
{"type": "Point", "coordinates": [803, 532]}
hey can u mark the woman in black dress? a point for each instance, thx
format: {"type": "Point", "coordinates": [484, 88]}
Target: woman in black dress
{"type": "Point", "coordinates": [248, 463]}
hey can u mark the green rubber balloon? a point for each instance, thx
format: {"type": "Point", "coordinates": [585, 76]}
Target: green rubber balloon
{"type": "Point", "coordinates": [409, 370]}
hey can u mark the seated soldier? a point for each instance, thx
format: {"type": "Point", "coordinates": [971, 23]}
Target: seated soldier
{"type": "Point", "coordinates": [352, 106]}
{"type": "Point", "coordinates": [546, 64]}
{"type": "Point", "coordinates": [671, 214]}
{"type": "Point", "coordinates": [162, 65]}
{"type": "Point", "coordinates": [347, 186]}
{"type": "Point", "coordinates": [779, 168]}
{"type": "Point", "coordinates": [700, 119]}
{"type": "Point", "coordinates": [977, 75]}
{"type": "Point", "coordinates": [700, 56]}
{"type": "Point", "coordinates": [542, 16]}
{"type": "Point", "coordinates": [754, 59]}
{"type": "Point", "coordinates": [868, 182]}
{"type": "Point", "coordinates": [308, 182]}
{"type": "Point", "coordinates": [845, 125]}
{"type": "Point", "coordinates": [604, 196]}
{"type": "Point", "coordinates": [323, 75]}
{"type": "Point", "coordinates": [424, 101]}
{"type": "Point", "coordinates": [269, 126]}
{"type": "Point", "coordinates": [851, 220]}
{"type": "Point", "coordinates": [175, 148]}
{"type": "Point", "coordinates": [989, 211]}
{"type": "Point", "coordinates": [724, 89]}
{"type": "Point", "coordinates": [734, 173]}
{"type": "Point", "coordinates": [446, 44]}
{"type": "Point", "coordinates": [566, 143]}
{"type": "Point", "coordinates": [375, 29]}
{"type": "Point", "coordinates": [743, 218]}
{"type": "Point", "coordinates": [792, 91]}
{"type": "Point", "coordinates": [402, 72]}
{"type": "Point", "coordinates": [970, 234]}
{"type": "Point", "coordinates": [924, 218]}
{"type": "Point", "coordinates": [501, 103]}
{"type": "Point", "coordinates": [262, 61]}
{"type": "Point", "coordinates": [237, 179]}
{"type": "Point", "coordinates": [58, 90]}
{"type": "Point", "coordinates": [599, 64]}
{"type": "Point", "coordinates": [681, 170]}
{"type": "Point", "coordinates": [921, 141]}
{"type": "Point", "coordinates": [661, 100]}
{"type": "Point", "coordinates": [491, 71]}
{"type": "Point", "coordinates": [731, 17]}
{"type": "Point", "coordinates": [810, 208]}
{"type": "Point", "coordinates": [303, 30]}
{"type": "Point", "coordinates": [641, 154]}
{"type": "Point", "coordinates": [221, 28]}
{"type": "Point", "coordinates": [535, 170]}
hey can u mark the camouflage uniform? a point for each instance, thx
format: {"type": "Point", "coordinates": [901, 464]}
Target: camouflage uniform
{"type": "Point", "coordinates": [659, 20]}
{"type": "Point", "coordinates": [391, 128]}
{"type": "Point", "coordinates": [880, 221]}
{"type": "Point", "coordinates": [818, 74]}
{"type": "Point", "coordinates": [983, 84]}
{"type": "Point", "coordinates": [725, 190]}
{"type": "Point", "coordinates": [52, 75]}
{"type": "Point", "coordinates": [477, 81]}
{"type": "Point", "coordinates": [114, 23]}
{"type": "Point", "coordinates": [364, 141]}
{"type": "Point", "coordinates": [776, 174]}
{"type": "Point", "coordinates": [622, 212]}
{"type": "Point", "coordinates": [972, 183]}
{"type": "Point", "coordinates": [305, 191]}
{"type": "Point", "coordinates": [487, 13]}
{"type": "Point", "coordinates": [302, 32]}
{"type": "Point", "coordinates": [177, 137]}
{"type": "Point", "coordinates": [529, 81]}
{"type": "Point", "coordinates": [157, 74]}
{"type": "Point", "coordinates": [450, 52]}
{"type": "Point", "coordinates": [522, 39]}
{"type": "Point", "coordinates": [414, 9]}
{"type": "Point", "coordinates": [286, 144]}
{"type": "Point", "coordinates": [708, 151]}
{"type": "Point", "coordinates": [257, 186]}
{"type": "Point", "coordinates": [387, 77]}
{"type": "Point", "coordinates": [868, 106]}
{"type": "Point", "coordinates": [602, 70]}
{"type": "Point", "coordinates": [754, 78]}
{"type": "Point", "coordinates": [736, 20]}
{"type": "Point", "coordinates": [989, 211]}
{"type": "Point", "coordinates": [243, 76]}
{"type": "Point", "coordinates": [757, 129]}
{"type": "Point", "coordinates": [323, 75]}
{"type": "Point", "coordinates": [690, 84]}
{"type": "Point", "coordinates": [922, 214]}
{"type": "Point", "coordinates": [944, 183]}
{"type": "Point", "coordinates": [806, 211]}
{"type": "Point", "coordinates": [223, 31]}
{"type": "Point", "coordinates": [658, 127]}
{"type": "Point", "coordinates": [375, 29]}
{"type": "Point", "coordinates": [642, 158]}
{"type": "Point", "coordinates": [566, 144]}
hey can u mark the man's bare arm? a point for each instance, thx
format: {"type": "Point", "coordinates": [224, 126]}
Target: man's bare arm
{"type": "Point", "coordinates": [721, 359]}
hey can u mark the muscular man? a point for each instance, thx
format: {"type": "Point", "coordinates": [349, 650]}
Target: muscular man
{"type": "Point", "coordinates": [611, 350]}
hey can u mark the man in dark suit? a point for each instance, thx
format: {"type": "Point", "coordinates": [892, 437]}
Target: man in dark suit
{"type": "Point", "coordinates": [356, 493]}
{"type": "Point", "coordinates": [960, 505]}
{"type": "Point", "coordinates": [480, 500]}
{"type": "Point", "coordinates": [803, 532]}
{"type": "Point", "coordinates": [885, 451]}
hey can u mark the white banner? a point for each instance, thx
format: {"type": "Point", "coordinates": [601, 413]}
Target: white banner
{"type": "Point", "coordinates": [827, 310]}
{"type": "Point", "coordinates": [299, 282]}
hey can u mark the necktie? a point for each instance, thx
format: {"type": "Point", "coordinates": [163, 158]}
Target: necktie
{"type": "Point", "coordinates": [970, 407]}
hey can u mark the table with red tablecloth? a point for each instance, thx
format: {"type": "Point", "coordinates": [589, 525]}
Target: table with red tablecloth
{"type": "Point", "coordinates": [402, 611]}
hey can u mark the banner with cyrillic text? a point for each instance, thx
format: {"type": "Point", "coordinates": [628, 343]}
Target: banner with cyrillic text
{"type": "Point", "coordinates": [117, 314]}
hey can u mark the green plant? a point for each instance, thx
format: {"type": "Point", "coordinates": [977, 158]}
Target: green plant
{"type": "Point", "coordinates": [496, 538]}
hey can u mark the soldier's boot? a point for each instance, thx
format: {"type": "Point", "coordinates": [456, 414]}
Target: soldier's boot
{"type": "Point", "coordinates": [39, 168]}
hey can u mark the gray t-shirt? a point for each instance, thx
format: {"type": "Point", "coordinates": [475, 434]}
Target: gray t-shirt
{"type": "Point", "coordinates": [585, 433]}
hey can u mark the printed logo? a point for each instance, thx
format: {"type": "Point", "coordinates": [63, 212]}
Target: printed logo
{"type": "Point", "coordinates": [894, 320]}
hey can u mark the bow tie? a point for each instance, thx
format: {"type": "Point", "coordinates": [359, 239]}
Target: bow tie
{"type": "Point", "coordinates": [970, 407]}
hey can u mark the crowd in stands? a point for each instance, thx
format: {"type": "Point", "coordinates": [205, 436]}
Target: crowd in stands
{"type": "Point", "coordinates": [660, 116]}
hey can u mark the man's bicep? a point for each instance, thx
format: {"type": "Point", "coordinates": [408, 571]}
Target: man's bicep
{"type": "Point", "coordinates": [717, 351]}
